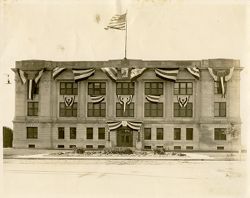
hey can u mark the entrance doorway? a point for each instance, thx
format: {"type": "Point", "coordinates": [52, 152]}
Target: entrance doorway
{"type": "Point", "coordinates": [124, 137]}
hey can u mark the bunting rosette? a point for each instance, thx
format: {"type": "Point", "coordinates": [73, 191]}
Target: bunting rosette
{"type": "Point", "coordinates": [167, 73]}
{"type": "Point", "coordinates": [125, 100]}
{"type": "Point", "coordinates": [82, 74]}
{"type": "Point", "coordinates": [183, 100]}
{"type": "Point", "coordinates": [69, 100]}
{"type": "Point", "coordinates": [153, 98]}
{"type": "Point", "coordinates": [221, 76]}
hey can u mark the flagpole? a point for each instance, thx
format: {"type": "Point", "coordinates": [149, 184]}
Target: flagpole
{"type": "Point", "coordinates": [126, 35]}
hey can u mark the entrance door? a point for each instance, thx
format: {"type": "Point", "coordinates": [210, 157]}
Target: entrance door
{"type": "Point", "coordinates": [124, 137]}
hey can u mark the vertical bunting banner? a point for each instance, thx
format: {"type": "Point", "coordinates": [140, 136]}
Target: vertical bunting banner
{"type": "Point", "coordinates": [194, 71]}
{"type": "Point", "coordinates": [183, 100]}
{"type": "Point", "coordinates": [32, 83]}
{"type": "Point", "coordinates": [124, 100]}
{"type": "Point", "coordinates": [167, 73]}
{"type": "Point", "coordinates": [22, 75]}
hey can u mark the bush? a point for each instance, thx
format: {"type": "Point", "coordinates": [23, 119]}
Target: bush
{"type": "Point", "coordinates": [159, 151]}
{"type": "Point", "coordinates": [79, 150]}
{"type": "Point", "coordinates": [117, 151]}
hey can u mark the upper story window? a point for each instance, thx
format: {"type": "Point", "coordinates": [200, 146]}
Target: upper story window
{"type": "Point", "coordinates": [129, 111]}
{"type": "Point", "coordinates": [219, 109]}
{"type": "Point", "coordinates": [153, 88]}
{"type": "Point", "coordinates": [68, 111]}
{"type": "Point", "coordinates": [96, 88]}
{"type": "Point", "coordinates": [219, 134]}
{"type": "Point", "coordinates": [186, 111]}
{"type": "Point", "coordinates": [32, 109]}
{"type": "Point", "coordinates": [125, 88]}
{"type": "Point", "coordinates": [32, 132]}
{"type": "Point", "coordinates": [183, 88]}
{"type": "Point", "coordinates": [68, 88]}
{"type": "Point", "coordinates": [218, 88]}
{"type": "Point", "coordinates": [153, 109]}
{"type": "Point", "coordinates": [96, 109]}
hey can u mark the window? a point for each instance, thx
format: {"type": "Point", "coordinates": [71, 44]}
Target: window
{"type": "Point", "coordinates": [35, 88]}
{"type": "Point", "coordinates": [97, 88]}
{"type": "Point", "coordinates": [60, 132]}
{"type": "Point", "coordinates": [60, 146]}
{"type": "Point", "coordinates": [183, 88]}
{"type": "Point", "coordinates": [89, 146]}
{"type": "Point", "coordinates": [101, 146]}
{"type": "Point", "coordinates": [220, 148]}
{"type": "Point", "coordinates": [177, 147]}
{"type": "Point", "coordinates": [72, 132]}
{"type": "Point", "coordinates": [218, 88]}
{"type": "Point", "coordinates": [153, 109]}
{"type": "Point", "coordinates": [159, 133]}
{"type": "Point", "coordinates": [72, 146]}
{"type": "Point", "coordinates": [32, 133]}
{"type": "Point", "coordinates": [31, 146]}
{"type": "Point", "coordinates": [147, 133]}
{"type": "Point", "coordinates": [189, 133]}
{"type": "Point", "coordinates": [89, 133]}
{"type": "Point", "coordinates": [153, 88]}
{"type": "Point", "coordinates": [101, 133]}
{"type": "Point", "coordinates": [70, 111]}
{"type": "Point", "coordinates": [125, 88]}
{"type": "Point", "coordinates": [147, 147]}
{"type": "Point", "coordinates": [186, 111]}
{"type": "Point", "coordinates": [32, 108]}
{"type": "Point", "coordinates": [177, 133]}
{"type": "Point", "coordinates": [129, 112]}
{"type": "Point", "coordinates": [220, 109]}
{"type": "Point", "coordinates": [68, 88]}
{"type": "Point", "coordinates": [96, 109]}
{"type": "Point", "coordinates": [219, 134]}
{"type": "Point", "coordinates": [159, 147]}
{"type": "Point", "coordinates": [189, 147]}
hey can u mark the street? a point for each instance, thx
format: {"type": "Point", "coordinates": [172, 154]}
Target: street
{"type": "Point", "coordinates": [119, 178]}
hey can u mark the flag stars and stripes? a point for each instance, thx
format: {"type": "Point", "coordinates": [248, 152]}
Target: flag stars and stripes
{"type": "Point", "coordinates": [117, 22]}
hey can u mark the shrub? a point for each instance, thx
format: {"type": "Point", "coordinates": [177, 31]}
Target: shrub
{"type": "Point", "coordinates": [79, 150]}
{"type": "Point", "coordinates": [159, 151]}
{"type": "Point", "coordinates": [117, 151]}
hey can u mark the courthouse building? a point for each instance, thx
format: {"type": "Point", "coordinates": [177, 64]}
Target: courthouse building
{"type": "Point", "coordinates": [141, 104]}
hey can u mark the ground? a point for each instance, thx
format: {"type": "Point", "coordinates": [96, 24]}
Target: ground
{"type": "Point", "coordinates": [123, 178]}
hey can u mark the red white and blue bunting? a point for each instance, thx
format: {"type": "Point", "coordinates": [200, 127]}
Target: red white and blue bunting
{"type": "Point", "coordinates": [57, 71]}
{"type": "Point", "coordinates": [69, 100]}
{"type": "Point", "coordinates": [167, 73]}
{"type": "Point", "coordinates": [194, 71]}
{"type": "Point", "coordinates": [153, 98]}
{"type": "Point", "coordinates": [22, 75]}
{"type": "Point", "coordinates": [135, 73]}
{"type": "Point", "coordinates": [130, 124]}
{"type": "Point", "coordinates": [82, 74]}
{"type": "Point", "coordinates": [183, 100]}
{"type": "Point", "coordinates": [221, 76]}
{"type": "Point", "coordinates": [97, 99]}
{"type": "Point", "coordinates": [111, 72]}
{"type": "Point", "coordinates": [124, 100]}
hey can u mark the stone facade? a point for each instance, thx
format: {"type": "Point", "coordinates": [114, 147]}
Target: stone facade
{"type": "Point", "coordinates": [203, 122]}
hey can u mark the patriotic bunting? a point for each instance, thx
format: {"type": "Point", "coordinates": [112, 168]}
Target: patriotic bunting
{"type": "Point", "coordinates": [124, 100]}
{"type": "Point", "coordinates": [69, 100]}
{"type": "Point", "coordinates": [96, 99]}
{"type": "Point", "coordinates": [114, 125]}
{"type": "Point", "coordinates": [111, 72]}
{"type": "Point", "coordinates": [130, 124]}
{"type": "Point", "coordinates": [31, 87]}
{"type": "Point", "coordinates": [57, 71]}
{"type": "Point", "coordinates": [168, 74]}
{"type": "Point", "coordinates": [38, 76]}
{"type": "Point", "coordinates": [194, 71]}
{"type": "Point", "coordinates": [82, 74]}
{"type": "Point", "coordinates": [183, 100]}
{"type": "Point", "coordinates": [117, 22]}
{"type": "Point", "coordinates": [135, 73]}
{"type": "Point", "coordinates": [22, 75]}
{"type": "Point", "coordinates": [134, 125]}
{"type": "Point", "coordinates": [125, 72]}
{"type": "Point", "coordinates": [153, 98]}
{"type": "Point", "coordinates": [221, 76]}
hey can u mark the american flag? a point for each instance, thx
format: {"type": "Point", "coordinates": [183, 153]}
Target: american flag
{"type": "Point", "coordinates": [117, 22]}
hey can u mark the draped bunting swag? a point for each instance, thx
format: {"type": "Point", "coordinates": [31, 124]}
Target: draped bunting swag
{"type": "Point", "coordinates": [111, 72]}
{"type": "Point", "coordinates": [194, 71]}
{"type": "Point", "coordinates": [221, 76]}
{"type": "Point", "coordinates": [31, 82]}
{"type": "Point", "coordinates": [135, 73]}
{"type": "Point", "coordinates": [82, 74]}
{"type": "Point", "coordinates": [130, 124]}
{"type": "Point", "coordinates": [124, 100]}
{"type": "Point", "coordinates": [69, 100]}
{"type": "Point", "coordinates": [97, 99]}
{"type": "Point", "coordinates": [167, 73]}
{"type": "Point", "coordinates": [183, 100]}
{"type": "Point", "coordinates": [57, 71]}
{"type": "Point", "coordinates": [153, 98]}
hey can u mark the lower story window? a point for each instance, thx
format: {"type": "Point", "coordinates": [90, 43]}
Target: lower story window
{"type": "Point", "coordinates": [72, 146]}
{"type": "Point", "coordinates": [96, 109]}
{"type": "Point", "coordinates": [189, 147]}
{"type": "Point", "coordinates": [32, 133]}
{"type": "Point", "coordinates": [147, 133]}
{"type": "Point", "coordinates": [60, 146]}
{"type": "Point", "coordinates": [147, 147]}
{"type": "Point", "coordinates": [89, 146]}
{"type": "Point", "coordinates": [177, 147]}
{"type": "Point", "coordinates": [186, 111]}
{"type": "Point", "coordinates": [101, 133]}
{"type": "Point", "coordinates": [68, 111]}
{"type": "Point", "coordinates": [101, 146]}
{"type": "Point", "coordinates": [220, 148]}
{"type": "Point", "coordinates": [31, 146]}
{"type": "Point", "coordinates": [159, 133]}
{"type": "Point", "coordinates": [219, 134]}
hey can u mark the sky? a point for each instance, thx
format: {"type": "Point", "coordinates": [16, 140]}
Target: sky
{"type": "Point", "coordinates": [157, 30]}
